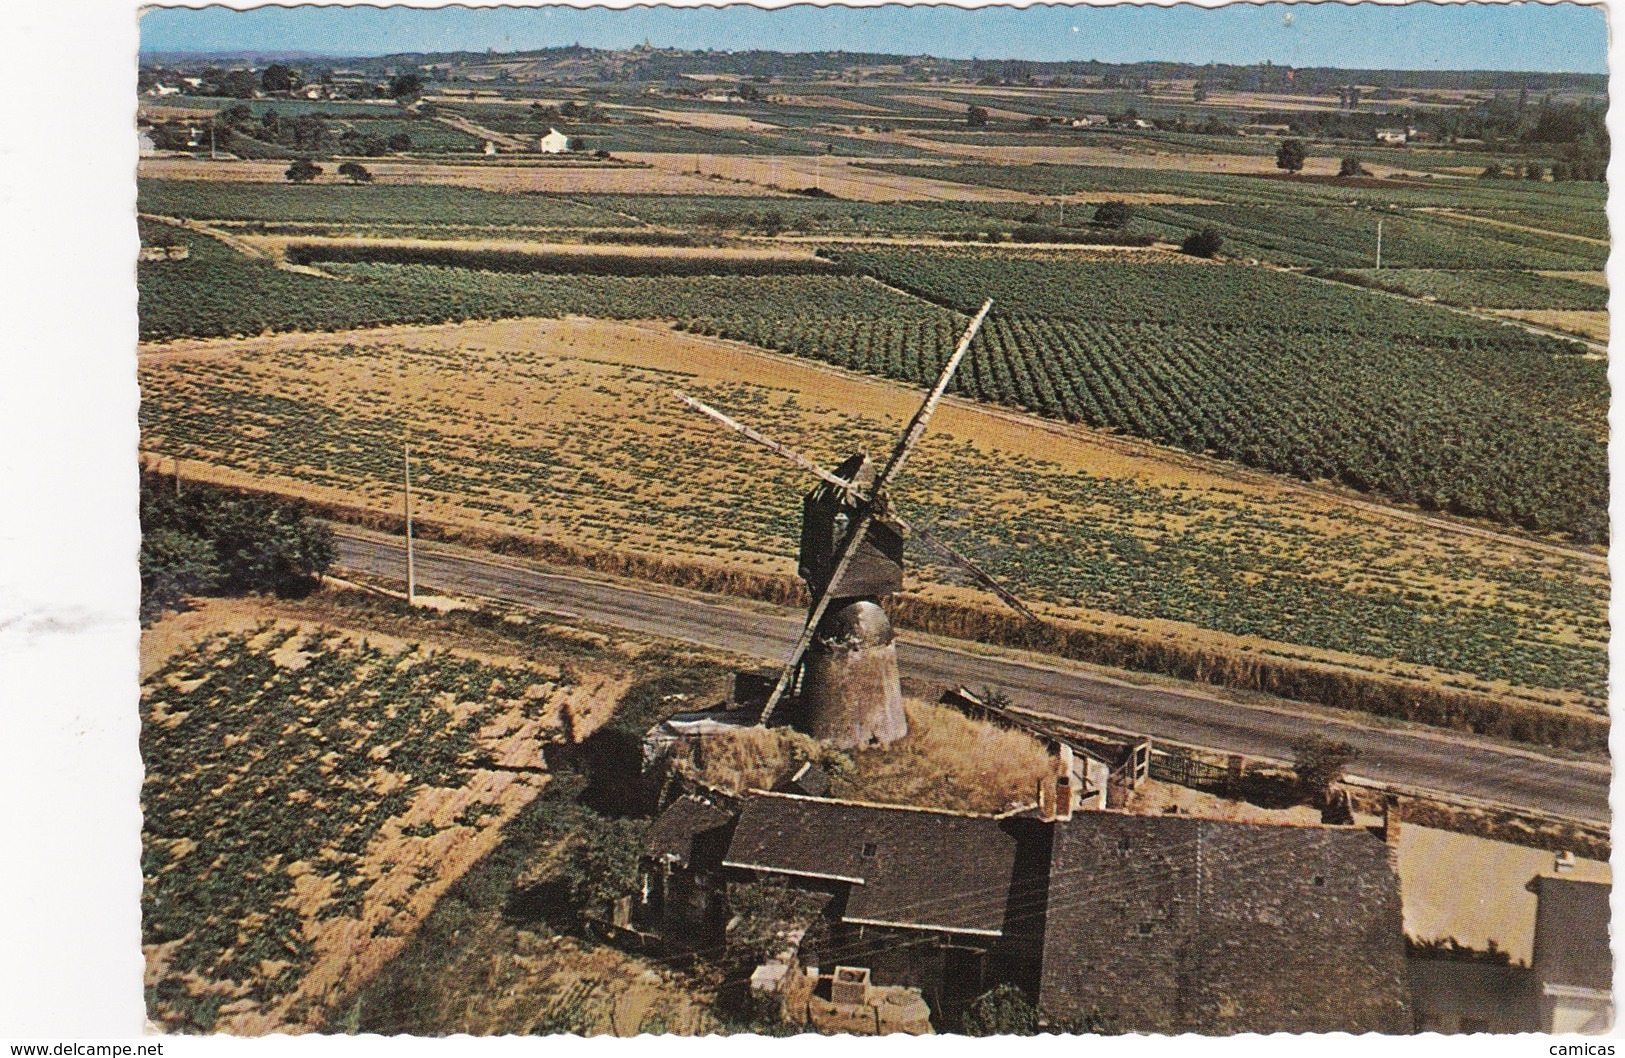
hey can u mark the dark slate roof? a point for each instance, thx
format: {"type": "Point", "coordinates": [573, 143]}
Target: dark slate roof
{"type": "Point", "coordinates": [686, 829]}
{"type": "Point", "coordinates": [908, 867]}
{"type": "Point", "coordinates": [1171, 924]}
{"type": "Point", "coordinates": [809, 779]}
{"type": "Point", "coordinates": [1571, 933]}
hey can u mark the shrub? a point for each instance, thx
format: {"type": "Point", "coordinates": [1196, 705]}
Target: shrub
{"type": "Point", "coordinates": [1204, 243]}
{"type": "Point", "coordinates": [302, 171]}
{"type": "Point", "coordinates": [1001, 1011]}
{"type": "Point", "coordinates": [1318, 763]}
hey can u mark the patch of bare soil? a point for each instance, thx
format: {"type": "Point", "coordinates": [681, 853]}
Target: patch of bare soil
{"type": "Point", "coordinates": [579, 178]}
{"type": "Point", "coordinates": [1592, 324]}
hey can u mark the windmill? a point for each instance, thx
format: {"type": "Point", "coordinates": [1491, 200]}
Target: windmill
{"type": "Point", "coordinates": [851, 558]}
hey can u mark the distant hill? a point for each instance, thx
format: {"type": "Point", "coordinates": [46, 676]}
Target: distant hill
{"type": "Point", "coordinates": [576, 62]}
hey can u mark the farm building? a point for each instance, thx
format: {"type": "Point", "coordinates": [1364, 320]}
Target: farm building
{"type": "Point", "coordinates": [1149, 923]}
{"type": "Point", "coordinates": [1573, 965]}
{"type": "Point", "coordinates": [555, 142]}
{"type": "Point", "coordinates": [1171, 924]}
{"type": "Point", "coordinates": [1394, 137]}
{"type": "Point", "coordinates": [1091, 121]}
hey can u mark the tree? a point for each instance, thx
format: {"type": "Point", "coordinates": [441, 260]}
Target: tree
{"type": "Point", "coordinates": [1001, 1011]}
{"type": "Point", "coordinates": [174, 564]}
{"type": "Point", "coordinates": [1493, 171]}
{"type": "Point", "coordinates": [303, 171]}
{"type": "Point", "coordinates": [277, 78]}
{"type": "Point", "coordinates": [240, 84]}
{"type": "Point", "coordinates": [1318, 763]}
{"type": "Point", "coordinates": [355, 172]}
{"type": "Point", "coordinates": [1199, 93]}
{"type": "Point", "coordinates": [1534, 171]}
{"type": "Point", "coordinates": [1114, 215]}
{"type": "Point", "coordinates": [975, 116]}
{"type": "Point", "coordinates": [407, 86]}
{"type": "Point", "coordinates": [1204, 243]}
{"type": "Point", "coordinates": [1352, 165]}
{"type": "Point", "coordinates": [400, 142]}
{"type": "Point", "coordinates": [1291, 155]}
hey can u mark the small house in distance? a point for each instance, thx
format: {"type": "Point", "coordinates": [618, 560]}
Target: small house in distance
{"type": "Point", "coordinates": [555, 142]}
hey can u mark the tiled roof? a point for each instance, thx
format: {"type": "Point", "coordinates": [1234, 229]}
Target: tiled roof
{"type": "Point", "coordinates": [688, 822]}
{"type": "Point", "coordinates": [1165, 924]}
{"type": "Point", "coordinates": [908, 867]}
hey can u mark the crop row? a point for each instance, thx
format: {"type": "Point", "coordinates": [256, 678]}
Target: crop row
{"type": "Point", "coordinates": [1347, 237]}
{"type": "Point", "coordinates": [1251, 299]}
{"type": "Point", "coordinates": [1378, 416]}
{"type": "Point", "coordinates": [1484, 288]}
{"type": "Point", "coordinates": [255, 768]}
{"type": "Point", "coordinates": [1444, 411]}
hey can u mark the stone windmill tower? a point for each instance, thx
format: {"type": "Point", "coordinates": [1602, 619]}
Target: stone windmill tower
{"type": "Point", "coordinates": [845, 662]}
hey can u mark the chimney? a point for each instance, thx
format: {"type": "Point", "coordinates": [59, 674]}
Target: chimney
{"type": "Point", "coordinates": [1063, 798]}
{"type": "Point", "coordinates": [1564, 863]}
{"type": "Point", "coordinates": [1392, 819]}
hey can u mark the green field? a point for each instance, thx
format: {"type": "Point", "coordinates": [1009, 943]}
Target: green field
{"type": "Point", "coordinates": [1317, 382]}
{"type": "Point", "coordinates": [1485, 289]}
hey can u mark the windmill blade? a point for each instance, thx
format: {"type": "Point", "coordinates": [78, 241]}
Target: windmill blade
{"type": "Point", "coordinates": [916, 426]}
{"type": "Point", "coordinates": [860, 530]}
{"type": "Point", "coordinates": [974, 570]}
{"type": "Point", "coordinates": [762, 439]}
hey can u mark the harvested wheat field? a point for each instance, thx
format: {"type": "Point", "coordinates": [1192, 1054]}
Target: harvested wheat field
{"type": "Point", "coordinates": [311, 790]}
{"type": "Point", "coordinates": [568, 431]}
{"type": "Point", "coordinates": [1585, 323]}
{"type": "Point", "coordinates": [577, 179]}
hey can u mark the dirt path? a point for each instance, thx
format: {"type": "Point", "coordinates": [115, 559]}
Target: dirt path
{"type": "Point", "coordinates": [480, 132]}
{"type": "Point", "coordinates": [1459, 215]}
{"type": "Point", "coordinates": [1598, 350]}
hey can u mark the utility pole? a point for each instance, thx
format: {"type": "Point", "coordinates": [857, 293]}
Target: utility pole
{"type": "Point", "coordinates": [411, 565]}
{"type": "Point", "coordinates": [212, 156]}
{"type": "Point", "coordinates": [177, 460]}
{"type": "Point", "coordinates": [1061, 223]}
{"type": "Point", "coordinates": [1379, 244]}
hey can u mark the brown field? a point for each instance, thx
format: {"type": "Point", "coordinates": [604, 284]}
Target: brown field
{"type": "Point", "coordinates": [628, 470]}
{"type": "Point", "coordinates": [1585, 323]}
{"type": "Point", "coordinates": [706, 119]}
{"type": "Point", "coordinates": [486, 176]}
{"type": "Point", "coordinates": [412, 857]}
{"type": "Point", "coordinates": [750, 174]}
{"type": "Point", "coordinates": [1597, 279]}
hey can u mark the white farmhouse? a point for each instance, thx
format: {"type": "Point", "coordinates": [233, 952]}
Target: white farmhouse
{"type": "Point", "coordinates": [555, 142]}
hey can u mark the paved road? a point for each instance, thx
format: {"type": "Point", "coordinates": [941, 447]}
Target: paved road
{"type": "Point", "coordinates": [1453, 765]}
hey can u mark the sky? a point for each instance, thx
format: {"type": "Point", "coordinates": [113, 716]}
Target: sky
{"type": "Point", "coordinates": [1557, 37]}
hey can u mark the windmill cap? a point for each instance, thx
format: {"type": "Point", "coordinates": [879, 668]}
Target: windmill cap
{"type": "Point", "coordinates": [864, 624]}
